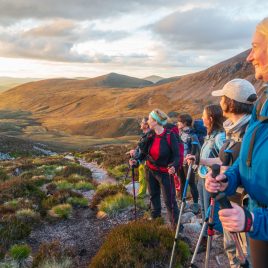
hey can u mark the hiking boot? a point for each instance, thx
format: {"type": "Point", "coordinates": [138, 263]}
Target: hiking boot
{"type": "Point", "coordinates": [195, 208]}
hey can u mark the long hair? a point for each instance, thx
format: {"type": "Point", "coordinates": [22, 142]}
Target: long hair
{"type": "Point", "coordinates": [214, 112]}
{"type": "Point", "coordinates": [262, 27]}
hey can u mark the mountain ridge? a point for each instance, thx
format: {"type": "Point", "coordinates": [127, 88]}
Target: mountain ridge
{"type": "Point", "coordinates": [94, 110]}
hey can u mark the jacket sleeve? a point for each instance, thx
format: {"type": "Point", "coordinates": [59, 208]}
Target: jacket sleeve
{"type": "Point", "coordinates": [260, 224]}
{"type": "Point", "coordinates": [144, 148]}
{"type": "Point", "coordinates": [174, 150]}
{"type": "Point", "coordinates": [233, 176]}
{"type": "Point", "coordinates": [219, 140]}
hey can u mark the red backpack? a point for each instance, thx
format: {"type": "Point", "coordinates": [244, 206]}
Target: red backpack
{"type": "Point", "coordinates": [174, 129]}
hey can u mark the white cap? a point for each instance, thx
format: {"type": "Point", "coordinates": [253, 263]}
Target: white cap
{"type": "Point", "coordinates": [239, 90]}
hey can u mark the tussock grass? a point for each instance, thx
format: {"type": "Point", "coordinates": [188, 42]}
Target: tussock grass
{"type": "Point", "coordinates": [114, 204]}
{"type": "Point", "coordinates": [54, 252]}
{"type": "Point", "coordinates": [83, 185]}
{"type": "Point", "coordinates": [78, 201]}
{"type": "Point", "coordinates": [64, 185]}
{"type": "Point", "coordinates": [140, 244]}
{"type": "Point", "coordinates": [20, 252]}
{"type": "Point", "coordinates": [61, 211]}
{"type": "Point", "coordinates": [27, 215]}
{"type": "Point", "coordinates": [105, 190]}
{"type": "Point", "coordinates": [53, 263]}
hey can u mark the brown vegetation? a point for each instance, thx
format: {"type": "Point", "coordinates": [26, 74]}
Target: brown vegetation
{"type": "Point", "coordinates": [91, 108]}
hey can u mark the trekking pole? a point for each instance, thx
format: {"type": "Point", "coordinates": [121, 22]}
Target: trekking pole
{"type": "Point", "coordinates": [225, 203]}
{"type": "Point", "coordinates": [171, 203]}
{"type": "Point", "coordinates": [208, 222]}
{"type": "Point", "coordinates": [134, 192]}
{"type": "Point", "coordinates": [127, 173]}
{"type": "Point", "coordinates": [215, 171]}
{"type": "Point", "coordinates": [172, 177]}
{"type": "Point", "coordinates": [183, 203]}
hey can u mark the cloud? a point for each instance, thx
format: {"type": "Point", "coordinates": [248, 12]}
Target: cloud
{"type": "Point", "coordinates": [55, 41]}
{"type": "Point", "coordinates": [200, 29]}
{"type": "Point", "coordinates": [79, 10]}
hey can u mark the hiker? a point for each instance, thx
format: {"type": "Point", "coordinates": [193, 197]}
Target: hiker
{"type": "Point", "coordinates": [237, 98]}
{"type": "Point", "coordinates": [251, 170]}
{"type": "Point", "coordinates": [135, 154]}
{"type": "Point", "coordinates": [213, 120]}
{"type": "Point", "coordinates": [161, 158]}
{"type": "Point", "coordinates": [188, 136]}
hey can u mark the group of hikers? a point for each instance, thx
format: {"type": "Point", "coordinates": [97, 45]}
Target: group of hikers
{"type": "Point", "coordinates": [237, 125]}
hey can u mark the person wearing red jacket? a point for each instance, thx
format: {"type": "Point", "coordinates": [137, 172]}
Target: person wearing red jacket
{"type": "Point", "coordinates": [162, 158]}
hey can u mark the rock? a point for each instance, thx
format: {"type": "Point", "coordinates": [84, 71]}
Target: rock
{"type": "Point", "coordinates": [101, 215]}
{"type": "Point", "coordinates": [187, 217]}
{"type": "Point", "coordinates": [88, 194]}
{"type": "Point", "coordinates": [129, 188]}
{"type": "Point", "coordinates": [4, 156]}
{"type": "Point", "coordinates": [45, 152]}
{"type": "Point", "coordinates": [194, 219]}
{"type": "Point", "coordinates": [190, 228]}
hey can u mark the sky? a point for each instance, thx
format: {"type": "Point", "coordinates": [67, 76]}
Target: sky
{"type": "Point", "coordinates": [88, 38]}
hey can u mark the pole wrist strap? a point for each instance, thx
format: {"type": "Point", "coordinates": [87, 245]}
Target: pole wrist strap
{"type": "Point", "coordinates": [248, 221]}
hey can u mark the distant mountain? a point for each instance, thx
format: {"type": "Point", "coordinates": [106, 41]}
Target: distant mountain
{"type": "Point", "coordinates": [117, 81]}
{"type": "Point", "coordinates": [168, 80]}
{"type": "Point", "coordinates": [95, 107]}
{"type": "Point", "coordinates": [10, 82]}
{"type": "Point", "coordinates": [153, 78]}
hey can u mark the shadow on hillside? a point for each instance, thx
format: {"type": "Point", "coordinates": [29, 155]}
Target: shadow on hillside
{"type": "Point", "coordinates": [14, 122]}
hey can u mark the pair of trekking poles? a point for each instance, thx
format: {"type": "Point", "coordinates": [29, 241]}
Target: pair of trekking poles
{"type": "Point", "coordinates": [133, 187]}
{"type": "Point", "coordinates": [209, 222]}
{"type": "Point", "coordinates": [134, 190]}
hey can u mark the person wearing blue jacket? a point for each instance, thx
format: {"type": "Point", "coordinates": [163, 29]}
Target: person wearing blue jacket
{"type": "Point", "coordinates": [251, 168]}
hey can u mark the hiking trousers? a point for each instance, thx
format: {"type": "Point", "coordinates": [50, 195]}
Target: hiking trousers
{"type": "Point", "coordinates": [142, 181]}
{"type": "Point", "coordinates": [183, 174]}
{"type": "Point", "coordinates": [162, 182]}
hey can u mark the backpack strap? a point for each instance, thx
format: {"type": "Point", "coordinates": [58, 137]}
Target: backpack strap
{"type": "Point", "coordinates": [168, 137]}
{"type": "Point", "coordinates": [263, 119]}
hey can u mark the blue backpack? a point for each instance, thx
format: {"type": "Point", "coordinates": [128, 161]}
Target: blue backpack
{"type": "Point", "coordinates": [200, 130]}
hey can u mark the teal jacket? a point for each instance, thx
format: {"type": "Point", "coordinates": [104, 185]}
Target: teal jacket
{"type": "Point", "coordinates": [254, 178]}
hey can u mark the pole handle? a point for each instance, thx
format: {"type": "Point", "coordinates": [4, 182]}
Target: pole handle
{"type": "Point", "coordinates": [223, 200]}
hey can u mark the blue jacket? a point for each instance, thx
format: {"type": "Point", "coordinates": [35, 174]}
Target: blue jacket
{"type": "Point", "coordinates": [255, 178]}
{"type": "Point", "coordinates": [210, 149]}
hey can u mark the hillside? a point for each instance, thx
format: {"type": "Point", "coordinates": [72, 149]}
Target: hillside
{"type": "Point", "coordinates": [10, 82]}
{"type": "Point", "coordinates": [89, 107]}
